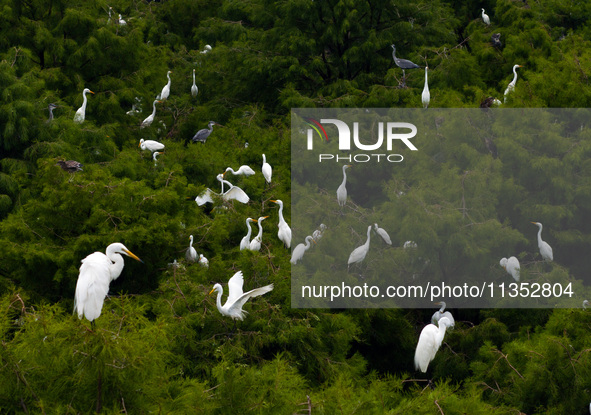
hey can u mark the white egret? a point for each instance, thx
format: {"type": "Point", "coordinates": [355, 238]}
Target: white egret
{"type": "Point", "coordinates": [255, 244]}
{"type": "Point", "coordinates": [154, 154]}
{"type": "Point", "coordinates": [203, 261]}
{"type": "Point", "coordinates": [81, 113]}
{"type": "Point", "coordinates": [360, 252]}
{"type": "Point", "coordinates": [267, 170]}
{"type": "Point", "coordinates": [206, 49]}
{"type": "Point", "coordinates": [121, 21]}
{"type": "Point", "coordinates": [382, 232]}
{"type": "Point", "coordinates": [191, 253]}
{"type": "Point", "coordinates": [96, 273]}
{"type": "Point", "coordinates": [166, 88]}
{"type": "Point", "coordinates": [545, 249]}
{"type": "Point", "coordinates": [429, 342]}
{"type": "Point", "coordinates": [409, 244]}
{"type": "Point", "coordinates": [585, 304]}
{"type": "Point", "coordinates": [236, 298]}
{"type": "Point", "coordinates": [511, 85]}
{"type": "Point", "coordinates": [300, 250]}
{"type": "Point", "coordinates": [284, 233]}
{"type": "Point", "coordinates": [512, 267]}
{"type": "Point", "coordinates": [485, 18]}
{"type": "Point", "coordinates": [148, 121]}
{"type": "Point", "coordinates": [342, 190]}
{"type": "Point", "coordinates": [150, 145]}
{"type": "Point", "coordinates": [234, 192]}
{"type": "Point", "coordinates": [194, 89]}
{"type": "Point", "coordinates": [245, 242]}
{"type": "Point", "coordinates": [202, 134]}
{"type": "Point", "coordinates": [244, 170]}
{"type": "Point", "coordinates": [439, 314]}
{"type": "Point", "coordinates": [426, 96]}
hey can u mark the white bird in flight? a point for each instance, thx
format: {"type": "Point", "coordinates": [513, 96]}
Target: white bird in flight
{"type": "Point", "coordinates": [545, 248]}
{"type": "Point", "coordinates": [236, 298]}
{"type": "Point", "coordinates": [429, 342]}
{"type": "Point", "coordinates": [96, 273]}
{"type": "Point", "coordinates": [80, 115]}
{"type": "Point", "coordinates": [512, 267]}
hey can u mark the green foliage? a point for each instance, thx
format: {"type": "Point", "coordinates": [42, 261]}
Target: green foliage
{"type": "Point", "coordinates": [160, 345]}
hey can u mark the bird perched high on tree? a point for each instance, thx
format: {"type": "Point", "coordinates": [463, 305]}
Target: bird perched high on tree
{"type": "Point", "coordinates": [403, 64]}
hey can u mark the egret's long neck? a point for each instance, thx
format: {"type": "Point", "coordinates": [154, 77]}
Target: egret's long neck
{"type": "Point", "coordinates": [442, 307]}
{"type": "Point", "coordinates": [167, 75]}
{"type": "Point", "coordinates": [308, 242]}
{"type": "Point", "coordinates": [249, 229]}
{"type": "Point", "coordinates": [344, 175]}
{"type": "Point", "coordinates": [540, 235]}
{"type": "Point", "coordinates": [218, 300]}
{"type": "Point", "coordinates": [281, 213]}
{"type": "Point", "coordinates": [260, 234]}
{"type": "Point", "coordinates": [50, 114]}
{"type": "Point", "coordinates": [117, 266]}
{"type": "Point", "coordinates": [154, 110]}
{"type": "Point", "coordinates": [426, 83]}
{"type": "Point", "coordinates": [84, 100]}
{"type": "Point", "coordinates": [193, 77]}
{"type": "Point", "coordinates": [514, 75]}
{"type": "Point", "coordinates": [368, 235]}
{"type": "Point", "coordinates": [191, 241]}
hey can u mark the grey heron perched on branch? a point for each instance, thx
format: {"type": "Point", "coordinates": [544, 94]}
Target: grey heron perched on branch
{"type": "Point", "coordinates": [51, 108]}
{"type": "Point", "coordinates": [403, 64]}
{"type": "Point", "coordinates": [71, 166]}
{"type": "Point", "coordinates": [202, 134]}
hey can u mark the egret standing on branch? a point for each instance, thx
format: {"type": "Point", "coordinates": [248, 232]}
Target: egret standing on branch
{"type": "Point", "coordinates": [512, 267]}
{"type": "Point", "coordinates": [255, 244]}
{"type": "Point", "coordinates": [360, 252]}
{"type": "Point", "coordinates": [426, 96]}
{"type": "Point", "coordinates": [81, 113]}
{"type": "Point", "coordinates": [545, 248]}
{"type": "Point", "coordinates": [439, 314]}
{"type": "Point", "coordinates": [151, 145]}
{"type": "Point", "coordinates": [403, 64]}
{"type": "Point", "coordinates": [342, 190]}
{"type": "Point", "coordinates": [191, 253]}
{"type": "Point", "coordinates": [166, 89]}
{"type": "Point", "coordinates": [96, 273]}
{"type": "Point", "coordinates": [284, 233]}
{"type": "Point", "coordinates": [382, 232]}
{"type": "Point", "coordinates": [121, 21]}
{"type": "Point", "coordinates": [245, 242]}
{"type": "Point", "coordinates": [300, 250]}
{"type": "Point", "coordinates": [511, 85]}
{"type": "Point", "coordinates": [194, 89]}
{"type": "Point", "coordinates": [267, 170]}
{"type": "Point", "coordinates": [485, 18]}
{"type": "Point", "coordinates": [429, 342]}
{"type": "Point", "coordinates": [148, 121]}
{"type": "Point", "coordinates": [244, 170]}
{"type": "Point", "coordinates": [202, 134]}
{"type": "Point", "coordinates": [236, 298]}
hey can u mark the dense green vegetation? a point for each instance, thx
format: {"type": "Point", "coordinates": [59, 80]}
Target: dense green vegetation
{"type": "Point", "coordinates": [160, 345]}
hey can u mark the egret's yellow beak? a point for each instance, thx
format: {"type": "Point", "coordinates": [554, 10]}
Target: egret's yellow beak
{"type": "Point", "coordinates": [211, 292]}
{"type": "Point", "coordinates": [131, 254]}
{"type": "Point", "coordinates": [274, 201]}
{"type": "Point", "coordinates": [91, 92]}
